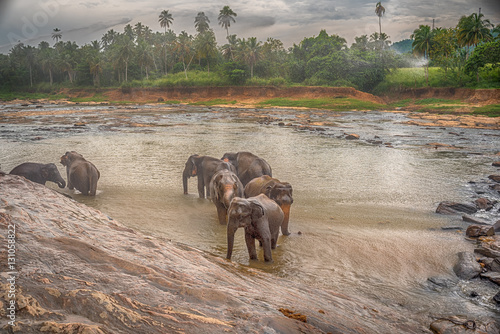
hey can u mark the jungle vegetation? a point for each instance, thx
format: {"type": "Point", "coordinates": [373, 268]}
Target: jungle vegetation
{"type": "Point", "coordinates": [465, 55]}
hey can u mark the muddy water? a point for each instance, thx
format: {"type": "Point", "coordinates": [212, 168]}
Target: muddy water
{"type": "Point", "coordinates": [364, 211]}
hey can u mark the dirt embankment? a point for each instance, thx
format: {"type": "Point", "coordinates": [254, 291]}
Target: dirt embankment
{"type": "Point", "coordinates": [249, 95]}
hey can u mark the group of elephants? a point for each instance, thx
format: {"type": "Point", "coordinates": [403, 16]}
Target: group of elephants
{"type": "Point", "coordinates": [81, 174]}
{"type": "Point", "coordinates": [240, 185]}
{"type": "Point", "coordinates": [246, 195]}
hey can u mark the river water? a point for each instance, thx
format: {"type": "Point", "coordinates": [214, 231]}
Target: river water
{"type": "Point", "coordinates": [362, 222]}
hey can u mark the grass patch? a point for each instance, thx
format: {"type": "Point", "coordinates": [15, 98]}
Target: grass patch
{"type": "Point", "coordinates": [492, 110]}
{"type": "Point", "coordinates": [434, 101]}
{"type": "Point", "coordinates": [95, 98]}
{"type": "Point", "coordinates": [336, 104]}
{"type": "Point", "coordinates": [213, 102]}
{"type": "Point", "coordinates": [401, 103]}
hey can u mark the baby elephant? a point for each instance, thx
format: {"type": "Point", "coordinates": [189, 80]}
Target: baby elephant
{"type": "Point", "coordinates": [39, 173]}
{"type": "Point", "coordinates": [224, 186]}
{"type": "Point", "coordinates": [261, 218]}
{"type": "Point", "coordinates": [82, 174]}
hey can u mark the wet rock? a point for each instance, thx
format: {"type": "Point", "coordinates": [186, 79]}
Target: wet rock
{"type": "Point", "coordinates": [495, 178]}
{"type": "Point", "coordinates": [496, 226]}
{"type": "Point", "coordinates": [442, 282]}
{"type": "Point", "coordinates": [475, 231]}
{"type": "Point", "coordinates": [496, 298]}
{"type": "Point", "coordinates": [352, 136]}
{"type": "Point", "coordinates": [450, 208]}
{"type": "Point", "coordinates": [461, 325]}
{"type": "Point", "coordinates": [84, 273]}
{"type": "Point", "coordinates": [474, 220]}
{"type": "Point", "coordinates": [484, 204]}
{"type": "Point", "coordinates": [489, 246]}
{"type": "Point", "coordinates": [496, 164]}
{"type": "Point", "coordinates": [493, 276]}
{"type": "Point", "coordinates": [467, 266]}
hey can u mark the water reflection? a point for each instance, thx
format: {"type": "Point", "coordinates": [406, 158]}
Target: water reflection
{"type": "Point", "coordinates": [364, 211]}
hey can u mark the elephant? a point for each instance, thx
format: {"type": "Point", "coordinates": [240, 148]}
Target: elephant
{"type": "Point", "coordinates": [39, 173]}
{"type": "Point", "coordinates": [261, 218]}
{"type": "Point", "coordinates": [82, 174]}
{"type": "Point", "coordinates": [280, 192]}
{"type": "Point", "coordinates": [204, 167]}
{"type": "Point", "coordinates": [248, 165]}
{"type": "Point", "coordinates": [224, 186]}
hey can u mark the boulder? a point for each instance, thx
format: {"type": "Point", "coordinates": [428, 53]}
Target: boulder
{"type": "Point", "coordinates": [451, 208]}
{"type": "Point", "coordinates": [467, 266]}
{"type": "Point", "coordinates": [495, 178]}
{"type": "Point", "coordinates": [493, 276]}
{"type": "Point", "coordinates": [475, 231]}
{"type": "Point", "coordinates": [352, 136]}
{"type": "Point", "coordinates": [484, 204]}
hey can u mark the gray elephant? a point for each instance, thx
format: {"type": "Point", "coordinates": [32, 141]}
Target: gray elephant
{"type": "Point", "coordinates": [261, 218]}
{"type": "Point", "coordinates": [248, 165]}
{"type": "Point", "coordinates": [280, 192]}
{"type": "Point", "coordinates": [224, 186]}
{"type": "Point", "coordinates": [82, 174]}
{"type": "Point", "coordinates": [204, 167]}
{"type": "Point", "coordinates": [39, 173]}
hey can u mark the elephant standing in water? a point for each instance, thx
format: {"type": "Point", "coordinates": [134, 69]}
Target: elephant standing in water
{"type": "Point", "coordinates": [261, 218]}
{"type": "Point", "coordinates": [82, 174]}
{"type": "Point", "coordinates": [248, 165]}
{"type": "Point", "coordinates": [224, 186]}
{"type": "Point", "coordinates": [280, 192]}
{"type": "Point", "coordinates": [39, 173]}
{"type": "Point", "coordinates": [204, 167]}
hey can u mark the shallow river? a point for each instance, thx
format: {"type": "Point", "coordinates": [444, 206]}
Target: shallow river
{"type": "Point", "coordinates": [365, 211]}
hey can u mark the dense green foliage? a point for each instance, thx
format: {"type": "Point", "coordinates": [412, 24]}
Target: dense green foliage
{"type": "Point", "coordinates": [139, 57]}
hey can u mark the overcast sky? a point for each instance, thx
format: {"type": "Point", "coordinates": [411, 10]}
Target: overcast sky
{"type": "Point", "coordinates": [290, 21]}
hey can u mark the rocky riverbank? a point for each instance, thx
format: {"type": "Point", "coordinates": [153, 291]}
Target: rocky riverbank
{"type": "Point", "coordinates": [78, 271]}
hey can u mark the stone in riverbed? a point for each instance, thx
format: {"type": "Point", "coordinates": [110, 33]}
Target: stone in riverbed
{"type": "Point", "coordinates": [461, 325]}
{"type": "Point", "coordinates": [467, 266]}
{"type": "Point", "coordinates": [474, 231]}
{"type": "Point", "coordinates": [495, 178]}
{"type": "Point", "coordinates": [450, 208]}
{"type": "Point", "coordinates": [352, 136]}
{"type": "Point", "coordinates": [484, 204]}
{"type": "Point", "coordinates": [492, 276]}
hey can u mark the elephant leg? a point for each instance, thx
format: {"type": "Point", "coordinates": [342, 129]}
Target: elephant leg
{"type": "Point", "coordinates": [252, 252]}
{"type": "Point", "coordinates": [286, 218]}
{"type": "Point", "coordinates": [222, 213]}
{"type": "Point", "coordinates": [266, 244]}
{"type": "Point", "coordinates": [201, 186]}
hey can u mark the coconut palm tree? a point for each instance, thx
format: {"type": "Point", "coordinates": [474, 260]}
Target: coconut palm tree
{"type": "Point", "coordinates": [56, 34]}
{"type": "Point", "coordinates": [228, 50]}
{"type": "Point", "coordinates": [380, 11]}
{"type": "Point", "coordinates": [184, 47]}
{"type": "Point", "coordinates": [201, 22]}
{"type": "Point", "coordinates": [473, 29]}
{"type": "Point", "coordinates": [226, 16]}
{"type": "Point", "coordinates": [165, 19]}
{"type": "Point", "coordinates": [251, 52]}
{"type": "Point", "coordinates": [206, 46]}
{"type": "Point", "coordinates": [126, 49]}
{"type": "Point", "coordinates": [422, 40]}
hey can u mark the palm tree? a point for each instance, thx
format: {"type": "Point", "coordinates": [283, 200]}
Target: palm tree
{"type": "Point", "coordinates": [201, 22]}
{"type": "Point", "coordinates": [422, 40]}
{"type": "Point", "coordinates": [108, 38]}
{"type": "Point", "coordinates": [184, 46]}
{"type": "Point", "coordinates": [48, 60]}
{"type": "Point", "coordinates": [379, 10]}
{"type": "Point", "coordinates": [165, 19]}
{"type": "Point", "coordinates": [251, 52]}
{"type": "Point", "coordinates": [226, 15]}
{"type": "Point", "coordinates": [145, 56]}
{"type": "Point", "coordinates": [230, 48]}
{"type": "Point", "coordinates": [206, 46]}
{"type": "Point", "coordinates": [125, 52]}
{"type": "Point", "coordinates": [473, 29]}
{"type": "Point", "coordinates": [56, 34]}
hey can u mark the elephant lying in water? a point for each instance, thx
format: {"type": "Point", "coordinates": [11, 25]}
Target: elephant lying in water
{"type": "Point", "coordinates": [248, 165]}
{"type": "Point", "coordinates": [82, 174]}
{"type": "Point", "coordinates": [204, 167]}
{"type": "Point", "coordinates": [39, 173]}
{"type": "Point", "coordinates": [261, 218]}
{"type": "Point", "coordinates": [280, 192]}
{"type": "Point", "coordinates": [224, 186]}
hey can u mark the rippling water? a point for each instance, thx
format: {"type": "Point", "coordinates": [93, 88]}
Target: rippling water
{"type": "Point", "coordinates": [365, 212]}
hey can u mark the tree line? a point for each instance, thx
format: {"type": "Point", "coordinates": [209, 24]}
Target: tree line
{"type": "Point", "coordinates": [138, 53]}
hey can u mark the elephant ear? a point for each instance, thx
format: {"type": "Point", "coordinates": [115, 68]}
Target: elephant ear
{"type": "Point", "coordinates": [192, 161]}
{"type": "Point", "coordinates": [257, 211]}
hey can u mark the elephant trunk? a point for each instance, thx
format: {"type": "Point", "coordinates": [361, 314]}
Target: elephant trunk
{"type": "Point", "coordinates": [185, 176]}
{"type": "Point", "coordinates": [284, 225]}
{"type": "Point", "coordinates": [231, 230]}
{"type": "Point", "coordinates": [228, 195]}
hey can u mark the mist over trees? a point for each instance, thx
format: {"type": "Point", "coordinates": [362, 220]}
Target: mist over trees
{"type": "Point", "coordinates": [138, 54]}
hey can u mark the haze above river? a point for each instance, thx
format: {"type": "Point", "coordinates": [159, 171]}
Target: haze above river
{"type": "Point", "coordinates": [365, 209]}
